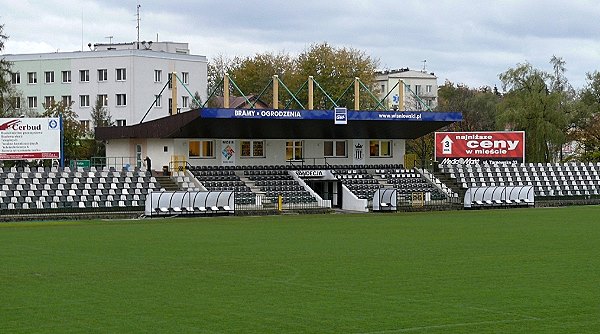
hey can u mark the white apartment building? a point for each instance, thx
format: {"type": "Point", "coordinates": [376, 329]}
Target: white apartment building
{"type": "Point", "coordinates": [416, 84]}
{"type": "Point", "coordinates": [126, 79]}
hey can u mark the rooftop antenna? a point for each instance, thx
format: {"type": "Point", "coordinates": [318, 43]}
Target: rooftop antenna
{"type": "Point", "coordinates": [424, 62]}
{"type": "Point", "coordinates": [138, 26]}
{"type": "Point", "coordinates": [109, 39]}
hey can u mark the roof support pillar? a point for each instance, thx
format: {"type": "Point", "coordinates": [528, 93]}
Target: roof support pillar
{"type": "Point", "coordinates": [356, 93]}
{"type": "Point", "coordinates": [173, 93]}
{"type": "Point", "coordinates": [275, 91]}
{"type": "Point", "coordinates": [226, 91]}
{"type": "Point", "coordinates": [400, 95]}
{"type": "Point", "coordinates": [311, 93]}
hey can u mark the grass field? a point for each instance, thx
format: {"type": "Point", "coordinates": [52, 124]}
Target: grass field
{"type": "Point", "coordinates": [500, 271]}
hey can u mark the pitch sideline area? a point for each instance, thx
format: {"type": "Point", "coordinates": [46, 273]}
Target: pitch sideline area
{"type": "Point", "coordinates": [509, 271]}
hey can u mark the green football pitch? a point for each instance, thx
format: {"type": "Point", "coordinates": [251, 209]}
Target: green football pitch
{"type": "Point", "coordinates": [493, 271]}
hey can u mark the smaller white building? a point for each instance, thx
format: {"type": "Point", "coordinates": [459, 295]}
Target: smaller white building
{"type": "Point", "coordinates": [418, 86]}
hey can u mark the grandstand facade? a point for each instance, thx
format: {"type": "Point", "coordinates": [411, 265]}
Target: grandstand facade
{"type": "Point", "coordinates": [304, 155]}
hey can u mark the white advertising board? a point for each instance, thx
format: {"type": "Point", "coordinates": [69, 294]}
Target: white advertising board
{"type": "Point", "coordinates": [29, 138]}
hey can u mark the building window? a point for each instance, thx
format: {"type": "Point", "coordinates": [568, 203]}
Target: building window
{"type": "Point", "coordinates": [293, 150]}
{"type": "Point", "coordinates": [66, 76]}
{"type": "Point", "coordinates": [380, 148]}
{"type": "Point", "coordinates": [84, 75]}
{"type": "Point", "coordinates": [16, 102]}
{"type": "Point", "coordinates": [85, 124]}
{"type": "Point", "coordinates": [102, 75]}
{"type": "Point", "coordinates": [103, 98]}
{"type": "Point", "coordinates": [84, 101]}
{"type": "Point", "coordinates": [49, 76]}
{"type": "Point", "coordinates": [121, 100]}
{"type": "Point", "coordinates": [32, 102]}
{"type": "Point", "coordinates": [158, 99]}
{"type": "Point", "coordinates": [66, 100]}
{"type": "Point", "coordinates": [48, 101]}
{"type": "Point", "coordinates": [185, 77]}
{"type": "Point", "coordinates": [417, 89]}
{"type": "Point", "coordinates": [31, 77]}
{"type": "Point", "coordinates": [334, 148]}
{"type": "Point", "coordinates": [170, 104]}
{"type": "Point", "coordinates": [157, 75]}
{"type": "Point", "coordinates": [252, 148]}
{"type": "Point", "coordinates": [428, 89]}
{"type": "Point", "coordinates": [121, 122]}
{"type": "Point", "coordinates": [15, 78]}
{"type": "Point", "coordinates": [407, 88]}
{"type": "Point", "coordinates": [185, 101]}
{"type": "Point", "coordinates": [382, 88]}
{"type": "Point", "coordinates": [121, 74]}
{"type": "Point", "coordinates": [201, 149]}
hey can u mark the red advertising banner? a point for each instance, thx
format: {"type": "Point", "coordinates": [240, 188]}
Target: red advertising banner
{"type": "Point", "coordinates": [479, 147]}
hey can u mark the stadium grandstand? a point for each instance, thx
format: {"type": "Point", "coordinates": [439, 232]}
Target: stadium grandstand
{"type": "Point", "coordinates": [210, 161]}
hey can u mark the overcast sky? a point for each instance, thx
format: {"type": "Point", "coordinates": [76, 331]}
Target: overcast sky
{"type": "Point", "coordinates": [468, 42]}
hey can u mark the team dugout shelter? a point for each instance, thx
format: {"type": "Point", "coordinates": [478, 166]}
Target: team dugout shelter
{"type": "Point", "coordinates": [253, 137]}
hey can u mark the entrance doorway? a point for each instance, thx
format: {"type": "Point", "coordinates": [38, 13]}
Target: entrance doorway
{"type": "Point", "coordinates": [328, 190]}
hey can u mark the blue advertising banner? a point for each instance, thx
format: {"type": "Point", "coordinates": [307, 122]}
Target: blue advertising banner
{"type": "Point", "coordinates": [352, 115]}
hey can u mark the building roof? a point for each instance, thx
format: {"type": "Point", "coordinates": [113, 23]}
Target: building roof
{"type": "Point", "coordinates": [285, 124]}
{"type": "Point", "coordinates": [404, 73]}
{"type": "Point", "coordinates": [103, 54]}
{"type": "Point", "coordinates": [240, 102]}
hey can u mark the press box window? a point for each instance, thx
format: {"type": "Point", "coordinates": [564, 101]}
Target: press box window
{"type": "Point", "coordinates": [335, 148]}
{"type": "Point", "coordinates": [252, 148]}
{"type": "Point", "coordinates": [201, 149]}
{"type": "Point", "coordinates": [380, 148]}
{"type": "Point", "coordinates": [293, 150]}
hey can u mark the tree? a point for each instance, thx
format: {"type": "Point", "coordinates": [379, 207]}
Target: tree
{"type": "Point", "coordinates": [100, 118]}
{"type": "Point", "coordinates": [5, 97]}
{"type": "Point", "coordinates": [100, 114]}
{"type": "Point", "coordinates": [254, 74]}
{"type": "Point", "coordinates": [335, 69]}
{"type": "Point", "coordinates": [11, 108]}
{"type": "Point", "coordinates": [534, 103]}
{"type": "Point", "coordinates": [217, 68]}
{"type": "Point", "coordinates": [478, 106]}
{"type": "Point", "coordinates": [196, 101]}
{"type": "Point", "coordinates": [586, 120]}
{"type": "Point", "coordinates": [73, 132]}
